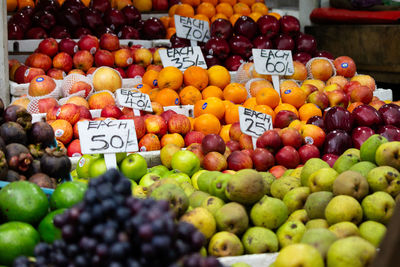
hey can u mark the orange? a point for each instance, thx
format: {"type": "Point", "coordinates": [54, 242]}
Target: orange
{"type": "Point", "coordinates": [276, 15]}
{"type": "Point", "coordinates": [234, 18]}
{"type": "Point", "coordinates": [247, 2]}
{"type": "Point", "coordinates": [241, 8]}
{"type": "Point", "coordinates": [170, 77]}
{"type": "Point", "coordinates": [268, 96]}
{"type": "Point", "coordinates": [172, 10]}
{"type": "Point", "coordinates": [230, 2]}
{"type": "Point", "coordinates": [144, 88]}
{"type": "Point", "coordinates": [184, 10]}
{"type": "Point", "coordinates": [196, 76]}
{"type": "Point", "coordinates": [213, 2]}
{"type": "Point", "coordinates": [258, 85]}
{"type": "Point", "coordinates": [224, 133]}
{"type": "Point", "coordinates": [211, 105]}
{"type": "Point", "coordinates": [191, 2]}
{"type": "Point", "coordinates": [255, 16]}
{"type": "Point", "coordinates": [250, 103]}
{"type": "Point", "coordinates": [308, 110]}
{"type": "Point", "coordinates": [189, 95]}
{"type": "Point", "coordinates": [207, 124]}
{"type": "Point", "coordinates": [165, 21]}
{"type": "Point", "coordinates": [227, 104]}
{"type": "Point", "coordinates": [287, 84]}
{"type": "Point", "coordinates": [267, 110]}
{"type": "Point", "coordinates": [353, 105]}
{"type": "Point", "coordinates": [191, 123]}
{"type": "Point", "coordinates": [218, 76]}
{"type": "Point", "coordinates": [260, 8]}
{"type": "Point", "coordinates": [170, 33]}
{"type": "Point", "coordinates": [150, 78]}
{"type": "Point", "coordinates": [206, 9]}
{"type": "Point", "coordinates": [153, 94]}
{"type": "Point", "coordinates": [294, 96]}
{"type": "Point", "coordinates": [224, 8]}
{"type": "Point", "coordinates": [232, 114]}
{"type": "Point", "coordinates": [167, 97]}
{"type": "Point", "coordinates": [218, 16]}
{"type": "Point", "coordinates": [62, 131]}
{"type": "Point", "coordinates": [212, 91]}
{"type": "Point", "coordinates": [235, 92]}
{"type": "Point", "coordinates": [202, 17]}
{"type": "Point", "coordinates": [25, 3]}
{"type": "Point", "coordinates": [285, 106]}
{"type": "Point", "coordinates": [11, 5]}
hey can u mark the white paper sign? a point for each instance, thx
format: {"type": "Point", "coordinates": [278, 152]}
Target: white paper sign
{"type": "Point", "coordinates": [254, 123]}
{"type": "Point", "coordinates": [192, 29]}
{"type": "Point", "coordinates": [107, 136]}
{"type": "Point", "coordinates": [134, 99]}
{"type": "Point", "coordinates": [273, 62]}
{"type": "Point", "coordinates": [183, 57]}
{"type": "Point", "coordinates": [187, 110]}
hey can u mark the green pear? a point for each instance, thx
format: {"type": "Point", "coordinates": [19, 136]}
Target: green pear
{"type": "Point", "coordinates": [344, 229]}
{"type": "Point", "coordinates": [178, 201]}
{"type": "Point", "coordinates": [224, 244]}
{"type": "Point", "coordinates": [259, 240]}
{"type": "Point", "coordinates": [351, 183]}
{"type": "Point", "coordinates": [345, 162]}
{"type": "Point", "coordinates": [363, 167]}
{"type": "Point", "coordinates": [290, 233]}
{"type": "Point", "coordinates": [372, 232]}
{"type": "Point", "coordinates": [297, 172]}
{"type": "Point", "coordinates": [369, 147]}
{"type": "Point", "coordinates": [196, 198]}
{"type": "Point", "coordinates": [296, 255]}
{"type": "Point", "coordinates": [180, 177]}
{"type": "Point", "coordinates": [316, 203]}
{"type": "Point", "coordinates": [378, 207]}
{"type": "Point", "coordinates": [159, 183]}
{"type": "Point", "coordinates": [317, 223]}
{"type": "Point", "coordinates": [202, 219]}
{"type": "Point", "coordinates": [388, 154]}
{"type": "Point", "coordinates": [322, 180]}
{"type": "Point", "coordinates": [312, 165]}
{"type": "Point", "coordinates": [212, 204]}
{"type": "Point", "coordinates": [148, 179]}
{"type": "Point", "coordinates": [159, 169]}
{"type": "Point", "coordinates": [351, 251]}
{"type": "Point", "coordinates": [343, 208]}
{"type": "Point", "coordinates": [268, 180]}
{"type": "Point", "coordinates": [353, 151]}
{"type": "Point", "coordinates": [218, 186]}
{"type": "Point", "coordinates": [320, 238]}
{"type": "Point", "coordinates": [240, 264]}
{"type": "Point", "coordinates": [281, 186]}
{"type": "Point", "coordinates": [269, 212]}
{"type": "Point", "coordinates": [386, 179]}
{"type": "Point", "coordinates": [232, 217]}
{"type": "Point", "coordinates": [139, 192]}
{"type": "Point", "coordinates": [187, 188]}
{"type": "Point", "coordinates": [299, 215]}
{"type": "Point", "coordinates": [205, 179]}
{"type": "Point", "coordinates": [295, 198]}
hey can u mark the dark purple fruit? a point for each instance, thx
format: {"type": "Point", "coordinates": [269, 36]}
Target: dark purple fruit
{"type": "Point", "coordinates": [19, 115]}
{"type": "Point", "coordinates": [56, 163]}
{"type": "Point", "coordinates": [41, 133]}
{"type": "Point", "coordinates": [42, 180]}
{"type": "Point", "coordinates": [18, 157]}
{"type": "Point", "coordinates": [336, 142]}
{"type": "Point", "coordinates": [12, 132]}
{"type": "Point", "coordinates": [11, 176]}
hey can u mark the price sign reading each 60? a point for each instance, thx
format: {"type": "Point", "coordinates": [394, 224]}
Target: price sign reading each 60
{"type": "Point", "coordinates": [107, 136]}
{"type": "Point", "coordinates": [183, 57]}
{"type": "Point", "coordinates": [192, 29]}
{"type": "Point", "coordinates": [254, 123]}
{"type": "Point", "coordinates": [273, 62]}
{"type": "Point", "coordinates": [134, 99]}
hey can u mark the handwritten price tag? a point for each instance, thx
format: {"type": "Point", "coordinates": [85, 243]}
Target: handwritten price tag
{"type": "Point", "coordinates": [183, 57]}
{"type": "Point", "coordinates": [134, 99]}
{"type": "Point", "coordinates": [108, 136]}
{"type": "Point", "coordinates": [254, 123]}
{"type": "Point", "coordinates": [192, 29]}
{"type": "Point", "coordinates": [273, 62]}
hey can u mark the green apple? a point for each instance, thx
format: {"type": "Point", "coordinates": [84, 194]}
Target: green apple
{"type": "Point", "coordinates": [343, 208]}
{"type": "Point", "coordinates": [295, 198]}
{"type": "Point", "coordinates": [317, 223]}
{"type": "Point", "coordinates": [185, 161]}
{"type": "Point", "coordinates": [218, 186]}
{"type": "Point", "coordinates": [195, 177]}
{"type": "Point", "coordinates": [97, 167]}
{"type": "Point", "coordinates": [351, 183]}
{"type": "Point", "coordinates": [120, 157]}
{"type": "Point", "coordinates": [134, 167]}
{"type": "Point", "coordinates": [369, 147]}
{"type": "Point", "coordinates": [316, 203]}
{"type": "Point", "coordinates": [259, 240]}
{"type": "Point", "coordinates": [384, 178]}
{"type": "Point", "coordinates": [378, 207]}
{"type": "Point", "coordinates": [345, 162]}
{"type": "Point", "coordinates": [363, 167]}
{"type": "Point", "coordinates": [290, 233]}
{"type": "Point", "coordinates": [161, 170]}
{"type": "Point", "coordinates": [312, 165]}
{"type": "Point", "coordinates": [344, 229]}
{"type": "Point", "coordinates": [283, 185]}
{"type": "Point", "coordinates": [351, 251]}
{"type": "Point", "coordinates": [322, 180]}
{"type": "Point", "coordinates": [299, 215]}
{"type": "Point", "coordinates": [180, 177]}
{"type": "Point", "coordinates": [83, 166]}
{"type": "Point", "coordinates": [320, 238]}
{"type": "Point", "coordinates": [388, 154]}
{"type": "Point", "coordinates": [299, 255]}
{"type": "Point", "coordinates": [269, 212]}
{"type": "Point", "coordinates": [372, 232]}
{"type": "Point", "coordinates": [166, 154]}
{"type": "Point", "coordinates": [232, 217]}
{"type": "Point", "coordinates": [224, 244]}
{"type": "Point", "coordinates": [149, 179]}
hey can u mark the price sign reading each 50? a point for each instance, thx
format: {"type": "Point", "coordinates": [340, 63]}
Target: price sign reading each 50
{"type": "Point", "coordinates": [273, 62]}
{"type": "Point", "coordinates": [183, 57]}
{"type": "Point", "coordinates": [192, 29]}
{"type": "Point", "coordinates": [107, 136]}
{"type": "Point", "coordinates": [134, 99]}
{"type": "Point", "coordinates": [254, 123]}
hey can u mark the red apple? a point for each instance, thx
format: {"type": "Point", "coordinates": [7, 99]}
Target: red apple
{"type": "Point", "coordinates": [68, 46]}
{"type": "Point", "coordinates": [350, 86]}
{"type": "Point", "coordinates": [214, 161]}
{"type": "Point", "coordinates": [193, 137]}
{"type": "Point", "coordinates": [239, 160]}
{"type": "Point", "coordinates": [345, 66]}
{"type": "Point", "coordinates": [135, 70]}
{"type": "Point", "coordinates": [32, 73]}
{"type": "Point", "coordinates": [83, 60]}
{"type": "Point", "coordinates": [19, 76]}
{"type": "Point", "coordinates": [109, 41]}
{"type": "Point", "coordinates": [233, 62]}
{"type": "Point", "coordinates": [111, 111]}
{"type": "Point", "coordinates": [360, 134]}
{"type": "Point", "coordinates": [140, 126]}
{"type": "Point", "coordinates": [48, 47]}
{"type": "Point", "coordinates": [283, 118]}
{"type": "Point", "coordinates": [155, 124]}
{"type": "Point", "coordinates": [277, 171]}
{"type": "Point", "coordinates": [289, 24]}
{"type": "Point", "coordinates": [221, 28]}
{"type": "Point", "coordinates": [179, 124]}
{"type": "Point", "coordinates": [149, 142]}
{"type": "Point", "coordinates": [80, 86]}
{"type": "Point", "coordinates": [39, 60]}
{"type": "Point", "coordinates": [74, 149]}
{"type": "Point", "coordinates": [268, 26]}
{"type": "Point", "coordinates": [330, 159]}
{"type": "Point", "coordinates": [167, 115]}
{"type": "Point", "coordinates": [270, 140]}
{"type": "Point", "coordinates": [288, 156]}
{"type": "Point", "coordinates": [68, 112]}
{"type": "Point", "coordinates": [249, 152]}
{"type": "Point", "coordinates": [45, 104]}
{"type": "Point", "coordinates": [89, 43]}
{"type": "Point", "coordinates": [245, 26]}
{"type": "Point", "coordinates": [213, 142]}
{"type": "Point", "coordinates": [197, 150]}
{"type": "Point", "coordinates": [121, 72]}
{"type": "Point", "coordinates": [235, 132]}
{"type": "Point", "coordinates": [123, 58]}
{"type": "Point", "coordinates": [338, 98]}
{"type": "Point", "coordinates": [307, 152]}
{"type": "Point", "coordinates": [63, 61]}
{"type": "Point", "coordinates": [218, 47]}
{"type": "Point", "coordinates": [390, 132]}
{"type": "Point", "coordinates": [291, 137]}
{"type": "Point", "coordinates": [365, 115]}
{"type": "Point", "coordinates": [56, 74]}
{"type": "Point", "coordinates": [104, 58]}
{"type": "Point", "coordinates": [246, 142]}
{"type": "Point", "coordinates": [240, 45]}
{"type": "Point", "coordinates": [84, 113]}
{"type": "Point", "coordinates": [361, 94]}
{"type": "Point", "coordinates": [159, 5]}
{"type": "Point", "coordinates": [390, 114]}
{"type": "Point", "coordinates": [233, 145]}
{"type": "Point", "coordinates": [262, 159]}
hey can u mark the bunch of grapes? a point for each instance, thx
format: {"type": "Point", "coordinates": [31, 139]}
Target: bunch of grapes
{"type": "Point", "coordinates": [111, 228]}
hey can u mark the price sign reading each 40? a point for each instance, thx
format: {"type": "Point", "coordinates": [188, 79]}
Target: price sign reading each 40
{"type": "Point", "coordinates": [192, 29]}
{"type": "Point", "coordinates": [134, 99]}
{"type": "Point", "coordinates": [273, 62]}
{"type": "Point", "coordinates": [107, 136]}
{"type": "Point", "coordinates": [254, 123]}
{"type": "Point", "coordinates": [183, 57]}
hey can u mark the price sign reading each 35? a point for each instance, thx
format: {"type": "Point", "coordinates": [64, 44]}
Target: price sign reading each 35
{"type": "Point", "coordinates": [183, 57]}
{"type": "Point", "coordinates": [254, 123]}
{"type": "Point", "coordinates": [134, 99]}
{"type": "Point", "coordinates": [273, 62]}
{"type": "Point", "coordinates": [192, 29]}
{"type": "Point", "coordinates": [107, 136]}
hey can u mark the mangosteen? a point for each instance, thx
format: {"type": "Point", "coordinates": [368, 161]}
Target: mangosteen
{"type": "Point", "coordinates": [12, 132]}
{"type": "Point", "coordinates": [56, 163]}
{"type": "Point", "coordinates": [19, 115]}
{"type": "Point", "coordinates": [18, 157]}
{"type": "Point", "coordinates": [42, 180]}
{"type": "Point", "coordinates": [3, 166]}
{"type": "Point", "coordinates": [13, 176]}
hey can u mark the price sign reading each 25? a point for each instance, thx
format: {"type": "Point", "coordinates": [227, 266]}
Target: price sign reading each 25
{"type": "Point", "coordinates": [183, 57]}
{"type": "Point", "coordinates": [134, 99]}
{"type": "Point", "coordinates": [273, 62]}
{"type": "Point", "coordinates": [254, 123]}
{"type": "Point", "coordinates": [107, 136]}
{"type": "Point", "coordinates": [192, 29]}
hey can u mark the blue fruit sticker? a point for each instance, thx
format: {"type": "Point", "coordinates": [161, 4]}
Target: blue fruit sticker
{"type": "Point", "coordinates": [139, 86]}
{"type": "Point", "coordinates": [288, 91]}
{"type": "Point", "coordinates": [176, 101]}
{"type": "Point", "coordinates": [344, 65]}
{"type": "Point", "coordinates": [40, 79]}
{"type": "Point", "coordinates": [204, 106]}
{"type": "Point", "coordinates": [155, 83]}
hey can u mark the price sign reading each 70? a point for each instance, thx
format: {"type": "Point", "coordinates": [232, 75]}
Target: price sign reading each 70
{"type": "Point", "coordinates": [273, 62]}
{"type": "Point", "coordinates": [107, 136]}
{"type": "Point", "coordinates": [192, 29]}
{"type": "Point", "coordinates": [183, 57]}
{"type": "Point", "coordinates": [134, 99]}
{"type": "Point", "coordinates": [254, 123]}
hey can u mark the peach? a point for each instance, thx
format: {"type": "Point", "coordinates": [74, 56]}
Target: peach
{"type": "Point", "coordinates": [78, 100]}
{"type": "Point", "coordinates": [340, 80]}
{"type": "Point", "coordinates": [317, 83]}
{"type": "Point", "coordinates": [32, 73]}
{"type": "Point", "coordinates": [300, 72]}
{"type": "Point", "coordinates": [319, 98]}
{"type": "Point", "coordinates": [308, 88]}
{"type": "Point", "coordinates": [338, 98]}
{"type": "Point", "coordinates": [361, 94]}
{"type": "Point", "coordinates": [332, 87]}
